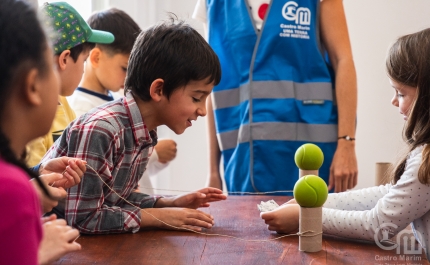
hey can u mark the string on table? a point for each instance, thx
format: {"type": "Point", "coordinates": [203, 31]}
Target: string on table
{"type": "Point", "coordinates": [305, 233]}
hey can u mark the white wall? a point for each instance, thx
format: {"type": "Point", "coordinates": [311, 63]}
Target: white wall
{"type": "Point", "coordinates": [373, 26]}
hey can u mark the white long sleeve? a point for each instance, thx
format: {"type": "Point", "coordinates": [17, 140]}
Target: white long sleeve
{"type": "Point", "coordinates": [357, 200]}
{"type": "Point", "coordinates": [360, 214]}
{"type": "Point", "coordinates": [154, 166]}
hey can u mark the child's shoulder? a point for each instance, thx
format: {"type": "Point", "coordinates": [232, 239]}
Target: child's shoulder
{"type": "Point", "coordinates": [13, 177]}
{"type": "Point", "coordinates": [111, 116]}
{"type": "Point", "coordinates": [417, 151]}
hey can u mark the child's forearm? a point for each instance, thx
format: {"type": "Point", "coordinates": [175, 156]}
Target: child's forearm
{"type": "Point", "coordinates": [164, 202]}
{"type": "Point", "coordinates": [147, 221]}
{"type": "Point", "coordinates": [176, 218]}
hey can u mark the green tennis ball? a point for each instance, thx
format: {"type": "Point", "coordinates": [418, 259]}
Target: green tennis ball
{"type": "Point", "coordinates": [310, 191]}
{"type": "Point", "coordinates": [309, 157]}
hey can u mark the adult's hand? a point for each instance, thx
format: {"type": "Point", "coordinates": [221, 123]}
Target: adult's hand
{"type": "Point", "coordinates": [343, 170]}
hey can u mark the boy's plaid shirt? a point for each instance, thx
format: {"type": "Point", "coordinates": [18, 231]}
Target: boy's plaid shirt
{"type": "Point", "coordinates": [115, 141]}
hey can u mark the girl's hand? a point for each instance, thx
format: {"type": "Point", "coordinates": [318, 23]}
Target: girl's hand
{"type": "Point", "coordinates": [178, 217]}
{"type": "Point", "coordinates": [58, 240]}
{"type": "Point", "coordinates": [72, 169]}
{"type": "Point", "coordinates": [284, 219]}
{"type": "Point", "coordinates": [50, 218]}
{"type": "Point", "coordinates": [56, 193]}
{"type": "Point", "coordinates": [292, 201]}
{"type": "Point", "coordinates": [193, 200]}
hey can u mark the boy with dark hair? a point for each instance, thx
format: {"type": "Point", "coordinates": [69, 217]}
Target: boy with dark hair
{"type": "Point", "coordinates": [106, 66]}
{"type": "Point", "coordinates": [172, 70]}
{"type": "Point", "coordinates": [105, 71]}
{"type": "Point", "coordinates": [72, 39]}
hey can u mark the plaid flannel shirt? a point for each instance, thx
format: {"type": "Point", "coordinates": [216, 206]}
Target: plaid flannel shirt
{"type": "Point", "coordinates": [115, 141]}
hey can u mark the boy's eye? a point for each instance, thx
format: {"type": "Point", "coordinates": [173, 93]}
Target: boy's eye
{"type": "Point", "coordinates": [124, 69]}
{"type": "Point", "coordinates": [196, 99]}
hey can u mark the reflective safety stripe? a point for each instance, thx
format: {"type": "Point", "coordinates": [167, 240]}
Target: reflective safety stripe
{"type": "Point", "coordinates": [279, 131]}
{"type": "Point", "coordinates": [273, 89]}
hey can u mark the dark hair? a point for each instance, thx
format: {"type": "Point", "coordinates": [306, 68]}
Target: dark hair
{"type": "Point", "coordinates": [78, 49]}
{"type": "Point", "coordinates": [408, 63]}
{"type": "Point", "coordinates": [23, 44]}
{"type": "Point", "coordinates": [120, 24]}
{"type": "Point", "coordinates": [174, 52]}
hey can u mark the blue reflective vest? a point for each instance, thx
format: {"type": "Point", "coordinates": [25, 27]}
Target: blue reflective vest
{"type": "Point", "coordinates": [276, 92]}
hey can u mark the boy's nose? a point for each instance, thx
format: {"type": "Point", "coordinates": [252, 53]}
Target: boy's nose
{"type": "Point", "coordinates": [202, 110]}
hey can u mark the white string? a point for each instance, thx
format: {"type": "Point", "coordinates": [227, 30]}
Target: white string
{"type": "Point", "coordinates": [201, 233]}
{"type": "Point", "coordinates": [229, 192]}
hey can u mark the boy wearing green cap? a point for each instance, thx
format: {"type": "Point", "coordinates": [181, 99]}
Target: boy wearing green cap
{"type": "Point", "coordinates": [72, 40]}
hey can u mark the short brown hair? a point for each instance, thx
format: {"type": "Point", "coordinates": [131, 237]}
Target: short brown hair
{"type": "Point", "coordinates": [120, 24]}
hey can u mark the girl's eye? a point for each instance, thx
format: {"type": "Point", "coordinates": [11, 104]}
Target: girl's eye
{"type": "Point", "coordinates": [124, 69]}
{"type": "Point", "coordinates": [399, 95]}
{"type": "Point", "coordinates": [196, 99]}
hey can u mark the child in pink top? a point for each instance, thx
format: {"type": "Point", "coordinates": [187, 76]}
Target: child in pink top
{"type": "Point", "coordinates": [20, 226]}
{"type": "Point", "coordinates": [29, 87]}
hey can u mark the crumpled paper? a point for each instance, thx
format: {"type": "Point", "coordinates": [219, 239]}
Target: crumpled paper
{"type": "Point", "coordinates": [267, 206]}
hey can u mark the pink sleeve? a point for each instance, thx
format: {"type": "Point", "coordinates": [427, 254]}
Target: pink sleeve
{"type": "Point", "coordinates": [20, 225]}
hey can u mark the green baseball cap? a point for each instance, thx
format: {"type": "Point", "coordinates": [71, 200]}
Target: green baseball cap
{"type": "Point", "coordinates": [70, 29]}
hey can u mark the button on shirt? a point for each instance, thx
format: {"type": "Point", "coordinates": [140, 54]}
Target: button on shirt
{"type": "Point", "coordinates": [114, 141]}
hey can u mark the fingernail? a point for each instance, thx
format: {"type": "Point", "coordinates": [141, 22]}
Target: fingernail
{"type": "Point", "coordinates": [209, 226]}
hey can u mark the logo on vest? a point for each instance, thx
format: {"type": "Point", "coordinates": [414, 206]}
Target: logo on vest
{"type": "Point", "coordinates": [301, 15]}
{"type": "Point", "coordinates": [302, 18]}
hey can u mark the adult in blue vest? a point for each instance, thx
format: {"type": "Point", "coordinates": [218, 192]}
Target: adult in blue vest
{"type": "Point", "coordinates": [287, 79]}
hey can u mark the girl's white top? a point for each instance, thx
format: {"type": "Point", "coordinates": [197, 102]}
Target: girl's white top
{"type": "Point", "coordinates": [382, 211]}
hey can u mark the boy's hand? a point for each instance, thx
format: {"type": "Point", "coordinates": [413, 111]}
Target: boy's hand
{"type": "Point", "coordinates": [284, 219]}
{"type": "Point", "coordinates": [166, 150]}
{"type": "Point", "coordinates": [178, 217]}
{"type": "Point", "coordinates": [72, 169]}
{"type": "Point", "coordinates": [193, 200]}
{"type": "Point", "coordinates": [58, 240]}
{"type": "Point", "coordinates": [56, 193]}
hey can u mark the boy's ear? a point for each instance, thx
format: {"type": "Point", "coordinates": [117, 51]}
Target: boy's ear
{"type": "Point", "coordinates": [156, 89]}
{"type": "Point", "coordinates": [94, 57]}
{"type": "Point", "coordinates": [63, 59]}
{"type": "Point", "coordinates": [31, 91]}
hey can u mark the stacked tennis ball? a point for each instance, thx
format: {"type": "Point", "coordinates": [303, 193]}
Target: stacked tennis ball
{"type": "Point", "coordinates": [310, 190]}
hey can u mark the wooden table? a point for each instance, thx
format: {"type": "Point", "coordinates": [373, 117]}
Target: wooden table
{"type": "Point", "coordinates": [237, 216]}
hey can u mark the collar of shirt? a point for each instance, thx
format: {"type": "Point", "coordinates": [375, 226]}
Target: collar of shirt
{"type": "Point", "coordinates": [138, 126]}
